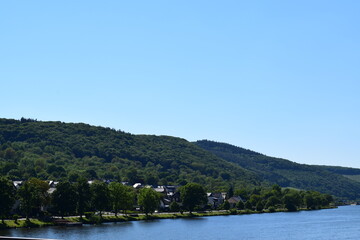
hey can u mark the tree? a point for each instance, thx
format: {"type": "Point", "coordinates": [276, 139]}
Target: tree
{"type": "Point", "coordinates": [83, 194]}
{"type": "Point", "coordinates": [7, 197]}
{"type": "Point", "coordinates": [148, 199]}
{"type": "Point", "coordinates": [33, 195]}
{"type": "Point", "coordinates": [64, 198]}
{"type": "Point", "coordinates": [192, 195]}
{"type": "Point", "coordinates": [174, 207]}
{"type": "Point", "coordinates": [230, 192]}
{"type": "Point", "coordinates": [259, 206]}
{"type": "Point", "coordinates": [240, 205]}
{"type": "Point", "coordinates": [276, 189]}
{"type": "Point", "coordinates": [121, 197]}
{"type": "Point", "coordinates": [254, 199]}
{"type": "Point", "coordinates": [272, 201]}
{"type": "Point", "coordinates": [248, 205]}
{"type": "Point", "coordinates": [292, 200]}
{"type": "Point", "coordinates": [99, 196]}
{"type": "Point", "coordinates": [226, 205]}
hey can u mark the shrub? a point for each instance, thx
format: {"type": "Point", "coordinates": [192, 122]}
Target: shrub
{"type": "Point", "coordinates": [271, 209]}
{"type": "Point", "coordinates": [233, 211]}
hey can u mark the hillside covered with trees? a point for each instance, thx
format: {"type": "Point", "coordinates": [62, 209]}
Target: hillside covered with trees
{"type": "Point", "coordinates": [56, 150]}
{"type": "Point", "coordinates": [289, 174]}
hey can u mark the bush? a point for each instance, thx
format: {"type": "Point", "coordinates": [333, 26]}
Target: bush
{"type": "Point", "coordinates": [226, 205]}
{"type": "Point", "coordinates": [174, 207]}
{"type": "Point", "coordinates": [233, 211]}
{"type": "Point", "coordinates": [271, 209]}
{"type": "Point", "coordinates": [240, 205]}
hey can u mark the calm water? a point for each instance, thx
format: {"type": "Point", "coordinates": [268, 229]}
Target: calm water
{"type": "Point", "coordinates": [340, 223]}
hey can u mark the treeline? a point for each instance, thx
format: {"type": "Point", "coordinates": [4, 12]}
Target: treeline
{"type": "Point", "coordinates": [275, 198]}
{"type": "Point", "coordinates": [285, 173]}
{"type": "Point", "coordinates": [33, 199]}
{"type": "Point", "coordinates": [56, 150]}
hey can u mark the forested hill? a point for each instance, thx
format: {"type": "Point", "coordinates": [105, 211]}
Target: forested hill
{"type": "Point", "coordinates": [289, 174]}
{"type": "Point", "coordinates": [352, 173]}
{"type": "Point", "coordinates": [55, 150]}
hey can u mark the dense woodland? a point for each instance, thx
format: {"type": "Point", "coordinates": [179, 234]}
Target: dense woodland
{"type": "Point", "coordinates": [58, 151]}
{"type": "Point", "coordinates": [326, 179]}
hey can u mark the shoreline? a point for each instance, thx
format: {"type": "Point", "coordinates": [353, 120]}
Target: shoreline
{"type": "Point", "coordinates": [94, 220]}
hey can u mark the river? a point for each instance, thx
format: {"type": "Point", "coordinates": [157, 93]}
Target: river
{"type": "Point", "coordinates": [340, 223]}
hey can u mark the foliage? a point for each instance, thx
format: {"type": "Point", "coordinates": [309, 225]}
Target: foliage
{"type": "Point", "coordinates": [56, 150]}
{"type": "Point", "coordinates": [240, 205]}
{"type": "Point", "coordinates": [226, 205]}
{"type": "Point", "coordinates": [192, 195]}
{"type": "Point", "coordinates": [148, 199]}
{"type": "Point", "coordinates": [83, 194]}
{"type": "Point", "coordinates": [7, 197]}
{"type": "Point", "coordinates": [121, 197]}
{"type": "Point", "coordinates": [64, 198]}
{"type": "Point", "coordinates": [285, 173]}
{"type": "Point", "coordinates": [33, 195]}
{"type": "Point", "coordinates": [174, 207]}
{"type": "Point", "coordinates": [100, 197]}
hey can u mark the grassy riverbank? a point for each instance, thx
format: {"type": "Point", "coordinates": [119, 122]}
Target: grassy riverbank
{"type": "Point", "coordinates": [124, 218]}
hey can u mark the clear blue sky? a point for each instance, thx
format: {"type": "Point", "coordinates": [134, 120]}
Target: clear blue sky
{"type": "Point", "coordinates": [277, 77]}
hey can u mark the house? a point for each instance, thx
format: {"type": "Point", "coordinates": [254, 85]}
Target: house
{"type": "Point", "coordinates": [17, 184]}
{"type": "Point", "coordinates": [137, 185]}
{"type": "Point", "coordinates": [216, 199]}
{"type": "Point", "coordinates": [234, 200]}
{"type": "Point", "coordinates": [52, 186]}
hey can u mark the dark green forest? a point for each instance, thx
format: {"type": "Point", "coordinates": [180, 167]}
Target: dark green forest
{"type": "Point", "coordinates": [285, 173]}
{"type": "Point", "coordinates": [58, 151]}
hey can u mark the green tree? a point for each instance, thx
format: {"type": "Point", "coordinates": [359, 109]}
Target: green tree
{"type": "Point", "coordinates": [248, 205]}
{"type": "Point", "coordinates": [64, 198]}
{"type": "Point", "coordinates": [148, 199]}
{"type": "Point", "coordinates": [226, 205]}
{"type": "Point", "coordinates": [192, 195]}
{"type": "Point", "coordinates": [276, 189]}
{"type": "Point", "coordinates": [7, 197]}
{"type": "Point", "coordinates": [240, 205]}
{"type": "Point", "coordinates": [292, 200]}
{"type": "Point", "coordinates": [121, 197]}
{"type": "Point", "coordinates": [99, 196]}
{"type": "Point", "coordinates": [33, 195]}
{"type": "Point", "coordinates": [309, 201]}
{"type": "Point", "coordinates": [83, 195]}
{"type": "Point", "coordinates": [230, 192]}
{"type": "Point", "coordinates": [259, 206]}
{"type": "Point", "coordinates": [174, 207]}
{"type": "Point", "coordinates": [272, 201]}
{"type": "Point", "coordinates": [254, 199]}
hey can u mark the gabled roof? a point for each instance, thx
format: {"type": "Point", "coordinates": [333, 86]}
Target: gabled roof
{"type": "Point", "coordinates": [234, 199]}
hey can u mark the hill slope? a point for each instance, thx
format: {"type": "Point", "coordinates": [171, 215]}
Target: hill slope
{"type": "Point", "coordinates": [286, 173]}
{"type": "Point", "coordinates": [351, 173]}
{"type": "Point", "coordinates": [53, 150]}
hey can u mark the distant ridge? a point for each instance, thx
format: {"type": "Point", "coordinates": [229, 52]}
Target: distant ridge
{"type": "Point", "coordinates": [333, 180]}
